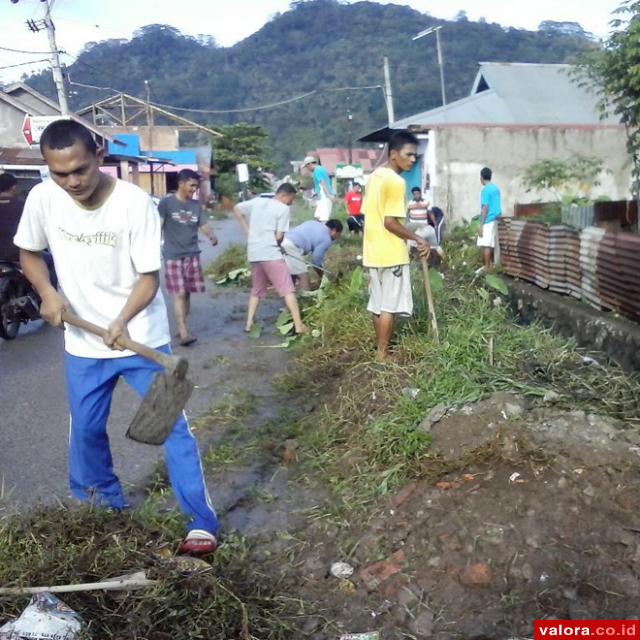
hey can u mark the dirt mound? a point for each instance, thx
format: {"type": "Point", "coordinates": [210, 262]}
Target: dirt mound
{"type": "Point", "coordinates": [536, 518]}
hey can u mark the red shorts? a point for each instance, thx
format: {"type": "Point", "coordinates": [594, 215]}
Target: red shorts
{"type": "Point", "coordinates": [274, 272]}
{"type": "Point", "coordinates": [184, 275]}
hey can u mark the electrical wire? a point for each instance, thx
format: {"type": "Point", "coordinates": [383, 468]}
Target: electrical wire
{"type": "Point", "coordinates": [22, 51]}
{"type": "Point", "coordinates": [22, 64]}
{"type": "Point", "coordinates": [265, 106]}
{"type": "Point", "coordinates": [242, 110]}
{"type": "Point", "coordinates": [221, 111]}
{"type": "Point", "coordinates": [89, 86]}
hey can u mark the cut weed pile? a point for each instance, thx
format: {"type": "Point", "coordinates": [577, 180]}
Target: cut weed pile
{"type": "Point", "coordinates": [233, 258]}
{"type": "Point", "coordinates": [60, 546]}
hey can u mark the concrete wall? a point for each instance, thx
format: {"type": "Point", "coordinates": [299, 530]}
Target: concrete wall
{"type": "Point", "coordinates": [11, 120]}
{"type": "Point", "coordinates": [618, 338]}
{"type": "Point", "coordinates": [461, 151]}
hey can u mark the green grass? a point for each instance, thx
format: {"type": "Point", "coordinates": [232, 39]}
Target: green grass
{"type": "Point", "coordinates": [365, 438]}
{"type": "Point", "coordinates": [233, 257]}
{"type": "Point", "coordinates": [233, 408]}
{"type": "Point", "coordinates": [60, 546]}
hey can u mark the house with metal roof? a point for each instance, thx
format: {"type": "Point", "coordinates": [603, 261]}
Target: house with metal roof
{"type": "Point", "coordinates": [155, 133]}
{"type": "Point", "coordinates": [516, 114]}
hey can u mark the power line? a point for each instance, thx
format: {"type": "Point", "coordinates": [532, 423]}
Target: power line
{"type": "Point", "coordinates": [22, 64]}
{"type": "Point", "coordinates": [265, 106]}
{"type": "Point", "coordinates": [22, 51]}
{"type": "Point", "coordinates": [90, 86]}
{"type": "Point", "coordinates": [242, 110]}
{"type": "Point", "coordinates": [222, 111]}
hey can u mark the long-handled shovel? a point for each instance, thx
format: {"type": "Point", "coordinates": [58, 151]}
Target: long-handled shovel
{"type": "Point", "coordinates": [299, 259]}
{"type": "Point", "coordinates": [167, 395]}
{"type": "Point", "coordinates": [432, 309]}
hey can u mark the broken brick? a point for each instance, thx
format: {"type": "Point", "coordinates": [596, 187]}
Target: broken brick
{"type": "Point", "coordinates": [478, 574]}
{"type": "Point", "coordinates": [375, 574]}
{"type": "Point", "coordinates": [403, 495]}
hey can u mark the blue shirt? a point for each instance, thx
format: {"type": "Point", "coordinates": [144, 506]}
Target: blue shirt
{"type": "Point", "coordinates": [490, 196]}
{"type": "Point", "coordinates": [320, 174]}
{"type": "Point", "coordinates": [311, 237]}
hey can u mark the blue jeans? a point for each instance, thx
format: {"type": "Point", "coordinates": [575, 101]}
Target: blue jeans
{"type": "Point", "coordinates": [90, 385]}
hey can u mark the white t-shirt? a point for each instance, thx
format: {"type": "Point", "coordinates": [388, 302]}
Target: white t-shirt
{"type": "Point", "coordinates": [99, 254]}
{"type": "Point", "coordinates": [267, 216]}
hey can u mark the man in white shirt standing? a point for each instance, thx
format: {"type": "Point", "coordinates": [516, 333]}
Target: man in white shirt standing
{"type": "Point", "coordinates": [104, 235]}
{"type": "Point", "coordinates": [265, 229]}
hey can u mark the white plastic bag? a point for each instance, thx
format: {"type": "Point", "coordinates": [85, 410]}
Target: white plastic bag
{"type": "Point", "coordinates": [45, 618]}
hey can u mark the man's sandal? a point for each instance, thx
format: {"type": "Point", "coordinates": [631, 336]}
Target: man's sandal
{"type": "Point", "coordinates": [198, 543]}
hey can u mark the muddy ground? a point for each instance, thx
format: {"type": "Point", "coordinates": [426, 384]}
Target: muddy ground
{"type": "Point", "coordinates": [528, 512]}
{"type": "Point", "coordinates": [524, 511]}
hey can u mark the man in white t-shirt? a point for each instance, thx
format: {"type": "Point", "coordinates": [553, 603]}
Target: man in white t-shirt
{"type": "Point", "coordinates": [104, 235]}
{"type": "Point", "coordinates": [268, 222]}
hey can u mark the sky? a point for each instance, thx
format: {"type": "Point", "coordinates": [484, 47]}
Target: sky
{"type": "Point", "coordinates": [81, 21]}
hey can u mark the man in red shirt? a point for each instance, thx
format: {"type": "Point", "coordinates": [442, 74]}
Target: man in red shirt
{"type": "Point", "coordinates": [353, 199]}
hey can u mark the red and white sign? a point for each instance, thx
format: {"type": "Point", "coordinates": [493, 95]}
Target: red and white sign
{"type": "Point", "coordinates": [33, 126]}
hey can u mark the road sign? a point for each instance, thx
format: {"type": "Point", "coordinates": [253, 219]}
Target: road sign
{"type": "Point", "coordinates": [242, 171]}
{"type": "Point", "coordinates": [33, 126]}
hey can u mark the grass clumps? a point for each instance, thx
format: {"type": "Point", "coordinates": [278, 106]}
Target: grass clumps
{"type": "Point", "coordinates": [60, 546]}
{"type": "Point", "coordinates": [232, 258]}
{"type": "Point", "coordinates": [366, 435]}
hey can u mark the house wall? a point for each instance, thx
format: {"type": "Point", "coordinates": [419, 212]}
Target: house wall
{"type": "Point", "coordinates": [461, 152]}
{"type": "Point", "coordinates": [164, 137]}
{"type": "Point", "coordinates": [37, 107]}
{"type": "Point", "coordinates": [11, 120]}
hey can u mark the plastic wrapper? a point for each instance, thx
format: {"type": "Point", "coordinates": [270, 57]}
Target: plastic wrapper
{"type": "Point", "coordinates": [45, 618]}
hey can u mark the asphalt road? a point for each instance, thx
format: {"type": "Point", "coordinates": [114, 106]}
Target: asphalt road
{"type": "Point", "coordinates": [33, 408]}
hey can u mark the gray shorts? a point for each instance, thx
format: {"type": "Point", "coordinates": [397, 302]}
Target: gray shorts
{"type": "Point", "coordinates": [294, 258]}
{"type": "Point", "coordinates": [390, 290]}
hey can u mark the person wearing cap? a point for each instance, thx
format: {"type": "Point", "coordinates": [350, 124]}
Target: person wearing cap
{"type": "Point", "coordinates": [321, 187]}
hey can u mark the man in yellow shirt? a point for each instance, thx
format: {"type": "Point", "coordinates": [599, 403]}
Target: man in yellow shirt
{"type": "Point", "coordinates": [385, 250]}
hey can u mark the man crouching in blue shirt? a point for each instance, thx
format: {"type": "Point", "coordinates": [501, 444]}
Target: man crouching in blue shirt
{"type": "Point", "coordinates": [310, 238]}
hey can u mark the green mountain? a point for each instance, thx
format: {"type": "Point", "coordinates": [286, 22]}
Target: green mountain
{"type": "Point", "coordinates": [317, 45]}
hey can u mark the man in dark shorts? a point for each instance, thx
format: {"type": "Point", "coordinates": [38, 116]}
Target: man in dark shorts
{"type": "Point", "coordinates": [181, 219]}
{"type": "Point", "coordinates": [353, 200]}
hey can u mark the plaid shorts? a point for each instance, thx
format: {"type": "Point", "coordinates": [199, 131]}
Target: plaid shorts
{"type": "Point", "coordinates": [184, 275]}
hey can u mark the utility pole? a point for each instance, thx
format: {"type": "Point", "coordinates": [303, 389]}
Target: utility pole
{"type": "Point", "coordinates": [426, 32]}
{"type": "Point", "coordinates": [56, 69]}
{"type": "Point", "coordinates": [147, 92]}
{"type": "Point", "coordinates": [388, 94]}
{"type": "Point", "coordinates": [349, 119]}
{"type": "Point", "coordinates": [35, 26]}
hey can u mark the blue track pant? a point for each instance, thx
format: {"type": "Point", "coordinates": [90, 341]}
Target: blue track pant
{"type": "Point", "coordinates": [90, 385]}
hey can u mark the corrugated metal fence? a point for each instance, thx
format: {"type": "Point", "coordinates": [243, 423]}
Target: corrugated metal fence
{"type": "Point", "coordinates": [600, 267]}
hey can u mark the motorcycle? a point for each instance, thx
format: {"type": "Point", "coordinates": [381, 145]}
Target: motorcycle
{"type": "Point", "coordinates": [19, 302]}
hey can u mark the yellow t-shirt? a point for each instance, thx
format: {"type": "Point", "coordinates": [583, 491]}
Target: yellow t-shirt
{"type": "Point", "coordinates": [385, 196]}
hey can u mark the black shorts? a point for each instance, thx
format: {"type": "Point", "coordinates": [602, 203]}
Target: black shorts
{"type": "Point", "coordinates": [355, 223]}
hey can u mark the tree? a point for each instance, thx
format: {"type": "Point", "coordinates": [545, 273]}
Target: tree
{"type": "Point", "coordinates": [570, 180]}
{"type": "Point", "coordinates": [242, 143]}
{"type": "Point", "coordinates": [614, 72]}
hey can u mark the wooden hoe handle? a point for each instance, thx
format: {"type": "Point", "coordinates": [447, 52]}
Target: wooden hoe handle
{"type": "Point", "coordinates": [174, 364]}
{"type": "Point", "coordinates": [432, 309]}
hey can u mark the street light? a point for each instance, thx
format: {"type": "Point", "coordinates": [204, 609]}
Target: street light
{"type": "Point", "coordinates": [426, 32]}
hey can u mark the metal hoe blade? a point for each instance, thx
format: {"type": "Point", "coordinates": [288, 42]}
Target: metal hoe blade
{"type": "Point", "coordinates": [160, 408]}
